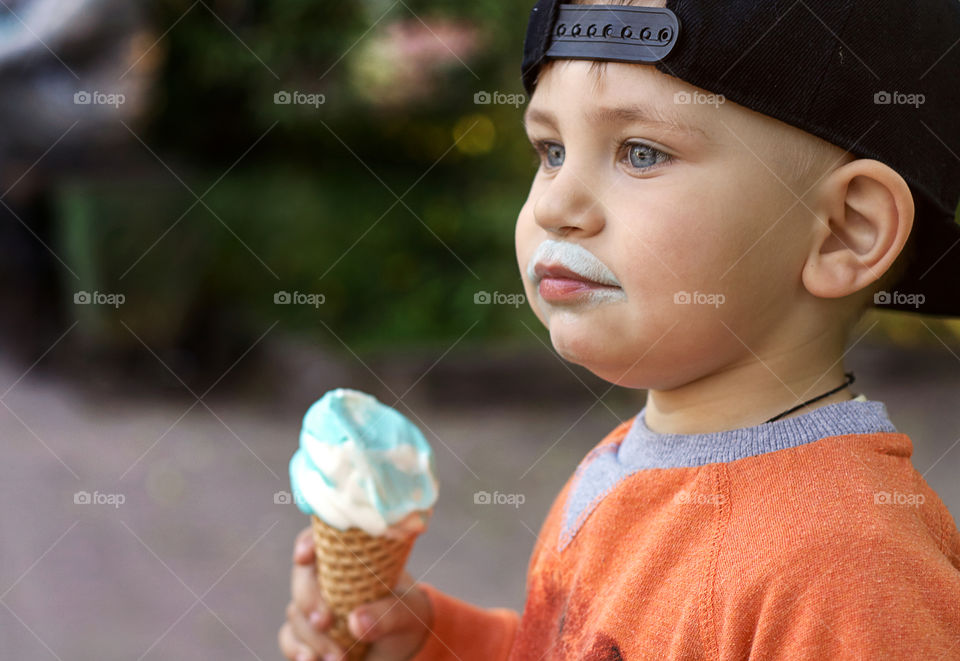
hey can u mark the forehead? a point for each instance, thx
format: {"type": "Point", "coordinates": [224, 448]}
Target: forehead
{"type": "Point", "coordinates": [611, 93]}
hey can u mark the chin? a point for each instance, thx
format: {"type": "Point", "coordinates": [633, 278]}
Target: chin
{"type": "Point", "coordinates": [617, 372]}
{"type": "Point", "coordinates": [591, 350]}
{"type": "Point", "coordinates": [616, 360]}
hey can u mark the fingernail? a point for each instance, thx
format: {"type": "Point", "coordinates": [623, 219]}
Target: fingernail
{"type": "Point", "coordinates": [330, 657]}
{"type": "Point", "coordinates": [304, 656]}
{"type": "Point", "coordinates": [316, 619]}
{"type": "Point", "coordinates": [361, 622]}
{"type": "Point", "coordinates": [365, 620]}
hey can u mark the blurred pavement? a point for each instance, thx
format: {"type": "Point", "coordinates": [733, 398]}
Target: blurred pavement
{"type": "Point", "coordinates": [194, 563]}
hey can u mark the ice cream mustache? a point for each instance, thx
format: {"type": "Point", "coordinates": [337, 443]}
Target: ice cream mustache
{"type": "Point", "coordinates": [581, 261]}
{"type": "Point", "coordinates": [363, 464]}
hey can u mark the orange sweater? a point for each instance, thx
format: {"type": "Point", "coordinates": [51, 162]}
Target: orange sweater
{"type": "Point", "coordinates": [791, 548]}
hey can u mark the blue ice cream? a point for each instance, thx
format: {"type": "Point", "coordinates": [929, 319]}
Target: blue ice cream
{"type": "Point", "coordinates": [362, 464]}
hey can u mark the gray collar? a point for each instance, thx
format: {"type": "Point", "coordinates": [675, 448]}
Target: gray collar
{"type": "Point", "coordinates": [606, 466]}
{"type": "Point", "coordinates": [643, 448]}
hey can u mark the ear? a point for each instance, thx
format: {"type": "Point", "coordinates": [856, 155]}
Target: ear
{"type": "Point", "coordinates": [864, 215]}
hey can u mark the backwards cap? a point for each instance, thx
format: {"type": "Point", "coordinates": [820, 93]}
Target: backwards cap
{"type": "Point", "coordinates": [879, 78]}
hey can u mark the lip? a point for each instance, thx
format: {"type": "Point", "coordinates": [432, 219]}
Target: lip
{"type": "Point", "coordinates": [565, 272]}
{"type": "Point", "coordinates": [559, 272]}
{"type": "Point", "coordinates": [558, 284]}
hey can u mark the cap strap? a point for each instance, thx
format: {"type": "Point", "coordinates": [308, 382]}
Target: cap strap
{"type": "Point", "coordinates": [613, 32]}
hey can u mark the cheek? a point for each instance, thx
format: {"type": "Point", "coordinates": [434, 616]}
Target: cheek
{"type": "Point", "coordinates": [685, 238]}
{"type": "Point", "coordinates": [527, 236]}
{"type": "Point", "coordinates": [522, 234]}
{"type": "Point", "coordinates": [658, 244]}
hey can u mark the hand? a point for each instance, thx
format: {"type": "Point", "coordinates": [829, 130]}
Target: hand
{"type": "Point", "coordinates": [399, 622]}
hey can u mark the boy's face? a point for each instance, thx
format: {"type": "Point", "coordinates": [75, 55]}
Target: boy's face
{"type": "Point", "coordinates": [691, 210]}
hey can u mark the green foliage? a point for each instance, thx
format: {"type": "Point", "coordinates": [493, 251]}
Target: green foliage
{"type": "Point", "coordinates": [312, 206]}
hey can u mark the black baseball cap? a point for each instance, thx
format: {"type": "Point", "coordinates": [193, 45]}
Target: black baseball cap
{"type": "Point", "coordinates": [879, 78]}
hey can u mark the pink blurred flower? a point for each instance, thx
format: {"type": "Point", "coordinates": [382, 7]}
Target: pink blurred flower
{"type": "Point", "coordinates": [404, 61]}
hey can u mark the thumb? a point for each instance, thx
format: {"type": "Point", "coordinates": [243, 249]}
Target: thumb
{"type": "Point", "coordinates": [406, 611]}
{"type": "Point", "coordinates": [303, 549]}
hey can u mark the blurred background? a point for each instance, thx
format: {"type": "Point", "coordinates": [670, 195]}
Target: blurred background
{"type": "Point", "coordinates": [213, 211]}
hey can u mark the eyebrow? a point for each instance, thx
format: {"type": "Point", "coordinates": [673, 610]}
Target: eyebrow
{"type": "Point", "coordinates": [619, 115]}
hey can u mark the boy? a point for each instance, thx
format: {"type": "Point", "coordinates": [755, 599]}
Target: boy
{"type": "Point", "coordinates": [723, 189]}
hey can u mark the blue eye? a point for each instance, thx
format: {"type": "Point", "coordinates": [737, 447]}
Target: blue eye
{"type": "Point", "coordinates": [554, 153]}
{"type": "Point", "coordinates": [644, 156]}
{"type": "Point", "coordinates": [641, 155]}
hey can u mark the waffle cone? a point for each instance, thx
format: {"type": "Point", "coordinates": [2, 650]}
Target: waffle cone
{"type": "Point", "coordinates": [355, 568]}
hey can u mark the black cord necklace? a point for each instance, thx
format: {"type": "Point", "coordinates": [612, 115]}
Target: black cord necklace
{"type": "Point", "coordinates": [850, 379]}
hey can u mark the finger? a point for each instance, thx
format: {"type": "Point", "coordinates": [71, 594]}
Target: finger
{"type": "Point", "coordinates": [291, 648]}
{"type": "Point", "coordinates": [403, 583]}
{"type": "Point", "coordinates": [390, 615]}
{"type": "Point", "coordinates": [307, 635]}
{"type": "Point", "coordinates": [305, 589]}
{"type": "Point", "coordinates": [303, 548]}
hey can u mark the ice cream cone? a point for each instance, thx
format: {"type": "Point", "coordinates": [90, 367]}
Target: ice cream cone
{"type": "Point", "coordinates": [355, 568]}
{"type": "Point", "coordinates": [367, 477]}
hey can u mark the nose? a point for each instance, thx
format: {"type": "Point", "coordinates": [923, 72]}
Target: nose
{"type": "Point", "coordinates": [569, 204]}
